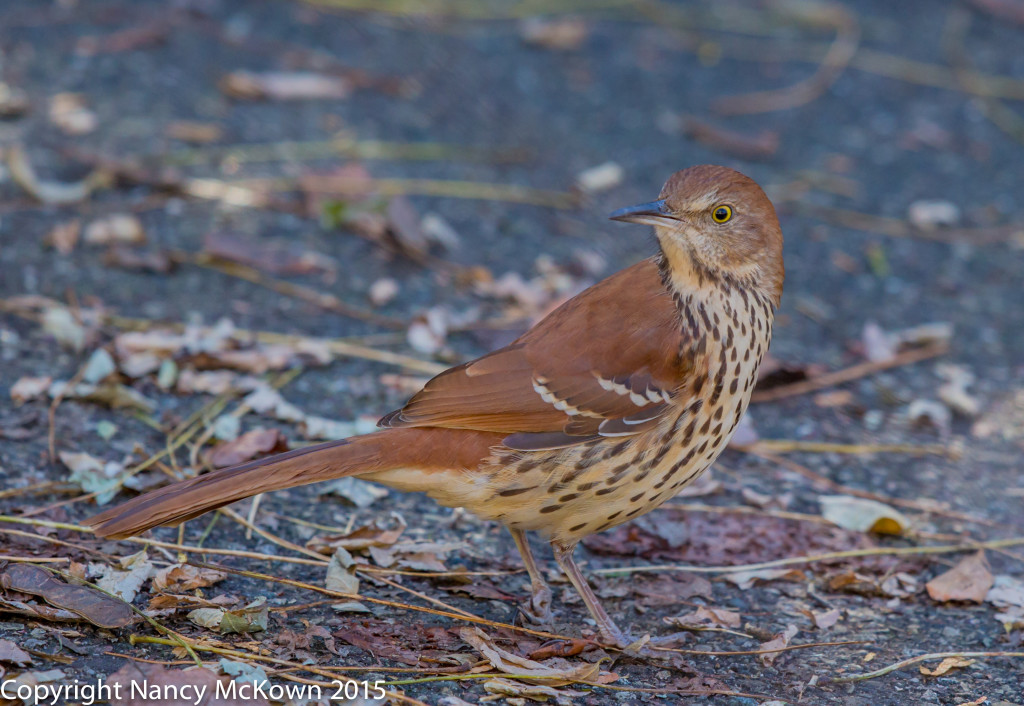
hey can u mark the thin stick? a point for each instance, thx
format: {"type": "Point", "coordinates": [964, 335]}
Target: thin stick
{"type": "Point", "coordinates": [845, 375]}
{"type": "Point", "coordinates": [916, 660]}
{"type": "Point", "coordinates": [814, 558]}
{"type": "Point", "coordinates": [785, 445]}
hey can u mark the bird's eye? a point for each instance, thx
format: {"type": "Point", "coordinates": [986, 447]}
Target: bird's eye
{"type": "Point", "coordinates": [721, 214]}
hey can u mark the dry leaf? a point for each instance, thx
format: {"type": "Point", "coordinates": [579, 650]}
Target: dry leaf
{"type": "Point", "coordinates": [12, 654]}
{"type": "Point", "coordinates": [705, 617]}
{"type": "Point", "coordinates": [361, 538]}
{"type": "Point", "coordinates": [780, 641]}
{"type": "Point", "coordinates": [27, 388]}
{"type": "Point", "coordinates": [969, 580]}
{"type": "Point", "coordinates": [284, 85]}
{"type": "Point", "coordinates": [251, 618]}
{"type": "Point", "coordinates": [247, 447]}
{"type": "Point", "coordinates": [600, 178]}
{"type": "Point", "coordinates": [157, 680]}
{"type": "Point", "coordinates": [70, 113]}
{"type": "Point", "coordinates": [13, 101]}
{"type": "Point", "coordinates": [64, 236]}
{"type": "Point", "coordinates": [949, 663]}
{"type": "Point", "coordinates": [383, 291]}
{"type": "Point", "coordinates": [185, 577]}
{"type": "Point", "coordinates": [562, 672]}
{"type": "Point", "coordinates": [862, 515]}
{"type": "Point", "coordinates": [125, 581]}
{"type": "Point", "coordinates": [562, 34]}
{"type": "Point", "coordinates": [96, 607]}
{"type": "Point", "coordinates": [746, 579]}
{"type": "Point", "coordinates": [117, 228]}
{"type": "Point", "coordinates": [279, 257]}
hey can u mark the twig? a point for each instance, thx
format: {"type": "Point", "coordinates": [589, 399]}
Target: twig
{"type": "Point", "coordinates": [471, 9]}
{"type": "Point", "coordinates": [958, 22]}
{"type": "Point", "coordinates": [915, 660]}
{"type": "Point", "coordinates": [814, 558]}
{"type": "Point", "coordinates": [831, 68]}
{"type": "Point", "coordinates": [337, 346]}
{"type": "Point", "coordinates": [297, 291]}
{"type": "Point", "coordinates": [740, 510]}
{"type": "Point", "coordinates": [785, 445]}
{"type": "Point", "coordinates": [342, 146]}
{"type": "Point", "coordinates": [845, 375]}
{"type": "Point", "coordinates": [922, 506]}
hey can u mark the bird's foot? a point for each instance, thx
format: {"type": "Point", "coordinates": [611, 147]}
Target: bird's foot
{"type": "Point", "coordinates": [538, 611]}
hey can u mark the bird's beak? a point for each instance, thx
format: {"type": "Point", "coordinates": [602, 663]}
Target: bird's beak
{"type": "Point", "coordinates": [653, 213]}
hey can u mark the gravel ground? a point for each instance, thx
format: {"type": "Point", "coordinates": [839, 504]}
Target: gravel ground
{"type": "Point", "coordinates": [884, 136]}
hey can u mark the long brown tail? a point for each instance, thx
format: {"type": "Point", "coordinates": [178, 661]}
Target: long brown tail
{"type": "Point", "coordinates": [389, 449]}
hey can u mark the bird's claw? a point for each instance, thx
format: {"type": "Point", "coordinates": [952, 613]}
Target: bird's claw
{"type": "Point", "coordinates": [538, 611]}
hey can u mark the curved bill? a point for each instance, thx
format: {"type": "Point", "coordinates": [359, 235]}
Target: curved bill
{"type": "Point", "coordinates": [653, 213]}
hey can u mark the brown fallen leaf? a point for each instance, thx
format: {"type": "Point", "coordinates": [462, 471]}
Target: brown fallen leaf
{"type": "Point", "coordinates": [284, 85]}
{"type": "Point", "coordinates": [946, 665]}
{"type": "Point", "coordinates": [64, 236]}
{"type": "Point", "coordinates": [372, 535]}
{"type": "Point", "coordinates": [28, 388]}
{"type": "Point", "coordinates": [12, 654]}
{"type": "Point", "coordinates": [117, 228]}
{"type": "Point", "coordinates": [279, 257]}
{"type": "Point", "coordinates": [969, 580]}
{"type": "Point", "coordinates": [250, 618]}
{"type": "Point", "coordinates": [555, 673]}
{"type": "Point", "coordinates": [247, 447]}
{"type": "Point", "coordinates": [780, 641]}
{"type": "Point", "coordinates": [185, 577]}
{"type": "Point", "coordinates": [157, 680]}
{"type": "Point", "coordinates": [98, 608]}
{"type": "Point", "coordinates": [746, 579]}
{"type": "Point", "coordinates": [705, 617]}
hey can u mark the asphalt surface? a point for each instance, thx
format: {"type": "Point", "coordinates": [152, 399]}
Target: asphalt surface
{"type": "Point", "coordinates": [871, 143]}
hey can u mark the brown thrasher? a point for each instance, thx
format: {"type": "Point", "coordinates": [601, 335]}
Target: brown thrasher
{"type": "Point", "coordinates": [599, 413]}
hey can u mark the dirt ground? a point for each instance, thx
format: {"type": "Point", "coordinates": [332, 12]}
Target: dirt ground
{"type": "Point", "coordinates": [896, 167]}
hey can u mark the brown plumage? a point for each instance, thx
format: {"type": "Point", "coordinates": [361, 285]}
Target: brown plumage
{"type": "Point", "coordinates": [600, 412]}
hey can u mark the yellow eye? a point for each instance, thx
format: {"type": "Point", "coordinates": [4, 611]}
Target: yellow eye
{"type": "Point", "coordinates": [721, 214]}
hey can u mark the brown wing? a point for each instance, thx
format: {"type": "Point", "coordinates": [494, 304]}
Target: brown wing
{"type": "Point", "coordinates": [609, 362]}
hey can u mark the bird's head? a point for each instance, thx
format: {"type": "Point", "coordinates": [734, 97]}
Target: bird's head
{"type": "Point", "coordinates": [714, 223]}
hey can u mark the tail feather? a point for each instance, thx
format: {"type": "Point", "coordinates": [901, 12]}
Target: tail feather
{"type": "Point", "coordinates": [190, 498]}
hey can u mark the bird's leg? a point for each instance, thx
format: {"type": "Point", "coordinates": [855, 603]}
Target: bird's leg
{"type": "Point", "coordinates": [539, 610]}
{"type": "Point", "coordinates": [607, 628]}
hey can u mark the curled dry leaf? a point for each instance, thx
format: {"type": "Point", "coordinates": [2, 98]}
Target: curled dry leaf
{"type": "Point", "coordinates": [94, 606]}
{"type": "Point", "coordinates": [190, 682]}
{"type": "Point", "coordinates": [383, 291]}
{"type": "Point", "coordinates": [553, 673]}
{"type": "Point", "coordinates": [522, 691]}
{"type": "Point", "coordinates": [372, 535]}
{"type": "Point", "coordinates": [930, 215]}
{"type": "Point", "coordinates": [747, 579]}
{"type": "Point", "coordinates": [247, 447]}
{"type": "Point", "coordinates": [93, 475]}
{"type": "Point", "coordinates": [185, 577]}
{"type": "Point", "coordinates": [27, 388]}
{"type": "Point", "coordinates": [12, 654]}
{"type": "Point", "coordinates": [705, 617]}
{"type": "Point", "coordinates": [71, 114]}
{"type": "Point", "coordinates": [779, 642]}
{"type": "Point", "coordinates": [251, 618]}
{"type": "Point", "coordinates": [64, 236]}
{"type": "Point", "coordinates": [969, 580]}
{"type": "Point", "coordinates": [284, 85]}
{"type": "Point", "coordinates": [947, 665]}
{"type": "Point", "coordinates": [862, 514]}
{"type": "Point", "coordinates": [125, 581]}
{"type": "Point", "coordinates": [116, 228]}
{"type": "Point", "coordinates": [359, 493]}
